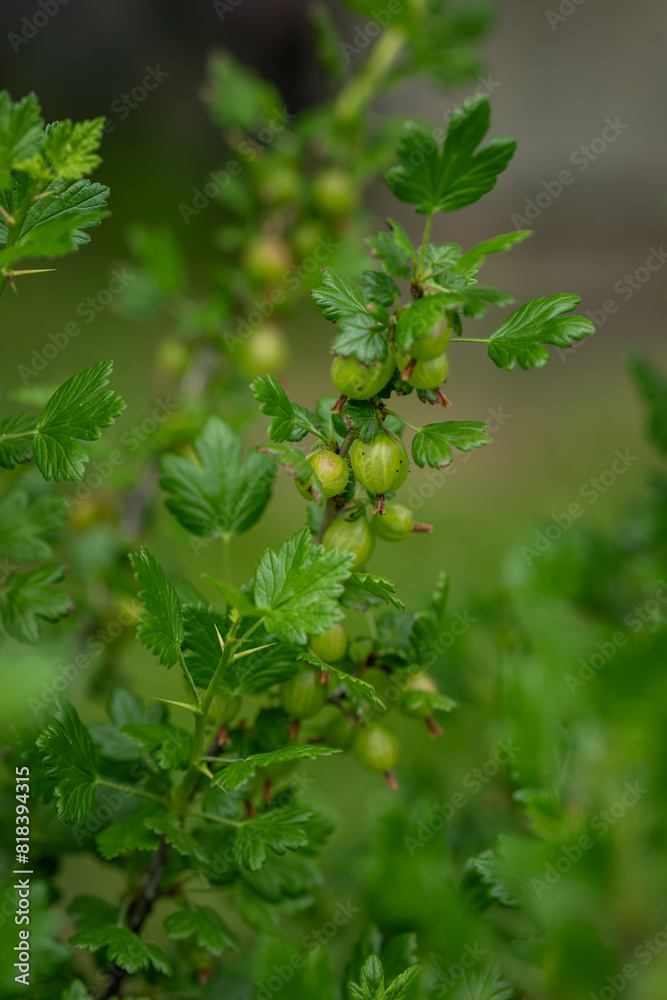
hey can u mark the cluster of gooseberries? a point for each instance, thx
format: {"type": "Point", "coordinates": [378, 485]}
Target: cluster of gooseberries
{"type": "Point", "coordinates": [374, 745]}
{"type": "Point", "coordinates": [381, 465]}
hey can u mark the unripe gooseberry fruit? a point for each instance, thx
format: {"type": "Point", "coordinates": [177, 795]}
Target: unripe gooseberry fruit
{"type": "Point", "coordinates": [172, 356]}
{"type": "Point", "coordinates": [340, 732]}
{"type": "Point", "coordinates": [425, 374]}
{"type": "Point", "coordinates": [331, 470]}
{"type": "Point", "coordinates": [265, 351]}
{"type": "Point", "coordinates": [303, 695]}
{"type": "Point", "coordinates": [433, 344]}
{"type": "Point", "coordinates": [420, 682]}
{"type": "Point", "coordinates": [351, 536]}
{"type": "Point", "coordinates": [331, 644]}
{"type": "Point", "coordinates": [395, 524]}
{"type": "Point", "coordinates": [381, 466]}
{"type": "Point", "coordinates": [266, 258]}
{"type": "Point", "coordinates": [334, 193]}
{"type": "Point", "coordinates": [281, 184]}
{"type": "Point", "coordinates": [376, 749]}
{"type": "Point", "coordinates": [354, 380]}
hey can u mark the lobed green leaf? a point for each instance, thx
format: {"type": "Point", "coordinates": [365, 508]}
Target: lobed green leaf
{"type": "Point", "coordinates": [161, 626]}
{"type": "Point", "coordinates": [435, 181]}
{"type": "Point", "coordinates": [218, 494]}
{"type": "Point", "coordinates": [521, 336]}
{"type": "Point", "coordinates": [432, 445]}
{"type": "Point", "coordinates": [67, 751]}
{"type": "Point", "coordinates": [77, 411]}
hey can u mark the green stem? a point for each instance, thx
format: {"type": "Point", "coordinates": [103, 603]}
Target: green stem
{"type": "Point", "coordinates": [200, 814]}
{"type": "Point", "coordinates": [249, 631]}
{"type": "Point", "coordinates": [129, 790]}
{"type": "Point", "coordinates": [220, 670]}
{"type": "Point", "coordinates": [407, 423]}
{"type": "Point", "coordinates": [427, 233]}
{"type": "Point", "coordinates": [187, 785]}
{"type": "Point", "coordinates": [226, 558]}
{"type": "Point", "coordinates": [469, 340]}
{"type": "Point", "coordinates": [188, 677]}
{"type": "Point", "coordinates": [22, 434]}
{"type": "Point", "coordinates": [363, 87]}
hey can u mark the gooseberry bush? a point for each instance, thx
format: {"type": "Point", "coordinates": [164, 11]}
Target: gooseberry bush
{"type": "Point", "coordinates": [197, 803]}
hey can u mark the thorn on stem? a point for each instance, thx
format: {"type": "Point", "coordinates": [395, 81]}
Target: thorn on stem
{"type": "Point", "coordinates": [339, 404]}
{"type": "Point", "coordinates": [323, 677]}
{"type": "Point", "coordinates": [250, 810]}
{"type": "Point", "coordinates": [267, 794]}
{"type": "Point", "coordinates": [220, 639]}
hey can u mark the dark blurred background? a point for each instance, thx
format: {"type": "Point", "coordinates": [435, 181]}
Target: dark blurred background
{"type": "Point", "coordinates": [555, 79]}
